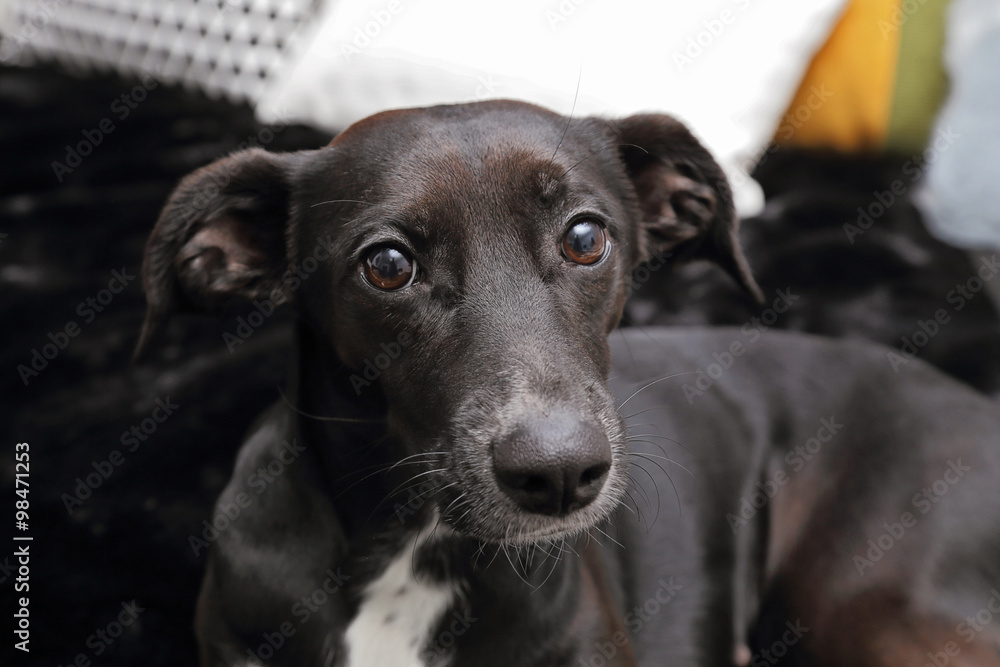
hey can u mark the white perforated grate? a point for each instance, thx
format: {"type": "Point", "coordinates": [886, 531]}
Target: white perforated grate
{"type": "Point", "coordinates": [230, 47]}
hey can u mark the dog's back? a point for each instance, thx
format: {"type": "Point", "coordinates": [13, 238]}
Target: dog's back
{"type": "Point", "coordinates": [830, 494]}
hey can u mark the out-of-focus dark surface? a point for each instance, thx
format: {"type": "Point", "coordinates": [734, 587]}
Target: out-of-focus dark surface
{"type": "Point", "coordinates": [129, 539]}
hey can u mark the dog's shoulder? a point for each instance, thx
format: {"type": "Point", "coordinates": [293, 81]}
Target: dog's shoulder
{"type": "Point", "coordinates": [274, 470]}
{"type": "Point", "coordinates": [254, 589]}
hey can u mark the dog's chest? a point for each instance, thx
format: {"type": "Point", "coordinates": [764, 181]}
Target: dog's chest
{"type": "Point", "coordinates": [398, 614]}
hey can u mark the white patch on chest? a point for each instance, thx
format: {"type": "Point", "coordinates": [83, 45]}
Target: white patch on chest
{"type": "Point", "coordinates": [397, 614]}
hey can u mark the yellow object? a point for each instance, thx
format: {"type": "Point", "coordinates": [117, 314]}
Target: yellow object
{"type": "Point", "coordinates": [877, 82]}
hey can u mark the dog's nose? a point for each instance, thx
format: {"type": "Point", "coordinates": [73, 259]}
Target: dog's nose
{"type": "Point", "coordinates": [552, 466]}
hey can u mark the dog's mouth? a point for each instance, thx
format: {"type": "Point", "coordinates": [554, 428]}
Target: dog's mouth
{"type": "Point", "coordinates": [522, 529]}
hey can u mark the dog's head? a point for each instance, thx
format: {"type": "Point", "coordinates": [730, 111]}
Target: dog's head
{"type": "Point", "coordinates": [468, 262]}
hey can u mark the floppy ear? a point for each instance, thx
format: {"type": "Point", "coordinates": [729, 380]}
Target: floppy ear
{"type": "Point", "coordinates": [687, 206]}
{"type": "Point", "coordinates": [220, 237]}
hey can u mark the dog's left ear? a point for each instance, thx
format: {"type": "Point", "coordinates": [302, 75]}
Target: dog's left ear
{"type": "Point", "coordinates": [220, 238]}
{"type": "Point", "coordinates": [685, 200]}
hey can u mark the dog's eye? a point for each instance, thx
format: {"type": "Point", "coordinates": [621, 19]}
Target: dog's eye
{"type": "Point", "coordinates": [388, 268]}
{"type": "Point", "coordinates": [585, 242]}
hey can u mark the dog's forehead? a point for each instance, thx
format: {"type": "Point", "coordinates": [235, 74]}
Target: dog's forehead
{"type": "Point", "coordinates": [466, 121]}
{"type": "Point", "coordinates": [497, 175]}
{"type": "Point", "coordinates": [485, 160]}
{"type": "Point", "coordinates": [507, 138]}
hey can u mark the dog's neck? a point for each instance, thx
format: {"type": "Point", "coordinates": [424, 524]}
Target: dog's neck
{"type": "Point", "coordinates": [347, 433]}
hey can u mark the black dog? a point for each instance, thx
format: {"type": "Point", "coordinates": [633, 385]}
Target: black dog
{"type": "Point", "coordinates": [471, 469]}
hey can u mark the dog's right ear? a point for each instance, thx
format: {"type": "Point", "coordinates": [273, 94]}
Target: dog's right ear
{"type": "Point", "coordinates": [221, 236]}
{"type": "Point", "coordinates": [685, 200]}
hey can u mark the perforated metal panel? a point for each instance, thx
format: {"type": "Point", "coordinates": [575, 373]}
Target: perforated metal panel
{"type": "Point", "coordinates": [226, 47]}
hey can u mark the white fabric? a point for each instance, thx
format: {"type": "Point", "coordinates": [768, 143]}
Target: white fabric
{"type": "Point", "coordinates": [958, 194]}
{"type": "Point", "coordinates": [728, 68]}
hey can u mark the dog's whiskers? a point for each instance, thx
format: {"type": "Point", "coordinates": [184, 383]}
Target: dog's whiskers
{"type": "Point", "coordinates": [479, 554]}
{"type": "Point", "coordinates": [385, 468]}
{"type": "Point", "coordinates": [437, 523]}
{"type": "Point", "coordinates": [645, 455]}
{"type": "Point", "coordinates": [338, 201]}
{"type": "Point", "coordinates": [598, 529]}
{"type": "Point", "coordinates": [656, 488]}
{"type": "Point", "coordinates": [622, 504]}
{"type": "Point", "coordinates": [408, 484]}
{"type": "Point", "coordinates": [569, 119]}
{"type": "Point", "coordinates": [642, 492]}
{"type": "Point", "coordinates": [496, 552]}
{"type": "Point", "coordinates": [635, 511]}
{"type": "Point", "coordinates": [516, 559]}
{"type": "Point", "coordinates": [650, 384]}
{"type": "Point", "coordinates": [569, 546]}
{"type": "Point", "coordinates": [445, 511]}
{"type": "Point", "coordinates": [655, 407]}
{"type": "Point", "coordinates": [615, 147]}
{"type": "Point", "coordinates": [418, 496]}
{"type": "Point", "coordinates": [662, 437]}
{"type": "Point", "coordinates": [555, 562]}
{"type": "Point", "coordinates": [413, 478]}
{"type": "Point", "coordinates": [677, 496]}
{"type": "Point", "coordinates": [404, 460]}
{"type": "Point", "coordinates": [299, 411]}
{"type": "Point", "coordinates": [458, 521]}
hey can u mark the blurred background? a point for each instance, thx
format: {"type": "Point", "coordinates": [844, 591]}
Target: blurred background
{"type": "Point", "coordinates": [861, 137]}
